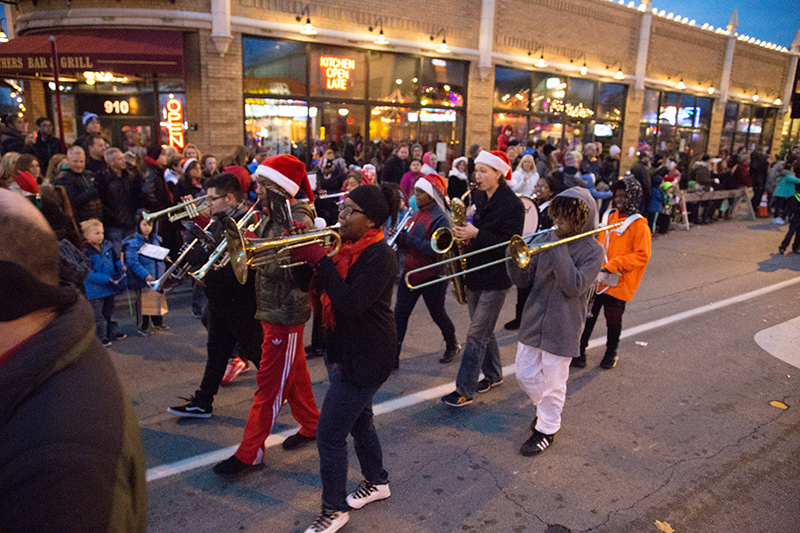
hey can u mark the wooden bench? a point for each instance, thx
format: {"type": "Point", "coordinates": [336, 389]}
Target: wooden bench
{"type": "Point", "coordinates": [737, 199]}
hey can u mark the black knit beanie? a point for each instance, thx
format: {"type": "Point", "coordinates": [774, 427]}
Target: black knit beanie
{"type": "Point", "coordinates": [372, 201]}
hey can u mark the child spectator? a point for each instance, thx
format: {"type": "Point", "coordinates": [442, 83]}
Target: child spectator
{"type": "Point", "coordinates": [105, 281]}
{"type": "Point", "coordinates": [784, 191]}
{"type": "Point", "coordinates": [143, 269]}
{"type": "Point", "coordinates": [410, 178]}
{"type": "Point", "coordinates": [561, 279]}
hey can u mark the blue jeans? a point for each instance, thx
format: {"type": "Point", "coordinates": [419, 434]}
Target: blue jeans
{"type": "Point", "coordinates": [481, 352]}
{"type": "Point", "coordinates": [346, 409]}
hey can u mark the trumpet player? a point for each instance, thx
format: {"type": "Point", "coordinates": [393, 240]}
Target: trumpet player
{"type": "Point", "coordinates": [416, 243]}
{"type": "Point", "coordinates": [231, 308]}
{"type": "Point", "coordinates": [498, 216]}
{"type": "Point", "coordinates": [283, 309]}
{"type": "Point", "coordinates": [560, 280]}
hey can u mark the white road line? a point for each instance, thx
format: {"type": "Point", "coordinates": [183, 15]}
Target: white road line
{"type": "Point", "coordinates": [191, 463]}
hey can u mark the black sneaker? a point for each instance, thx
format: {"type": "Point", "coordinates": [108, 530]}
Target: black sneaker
{"type": "Point", "coordinates": [296, 441]}
{"type": "Point", "coordinates": [578, 362]}
{"type": "Point", "coordinates": [512, 326]}
{"type": "Point", "coordinates": [120, 336]}
{"type": "Point", "coordinates": [329, 521]}
{"type": "Point", "coordinates": [536, 444]}
{"type": "Point", "coordinates": [106, 342]}
{"type": "Point", "coordinates": [191, 410]}
{"type": "Point", "coordinates": [454, 399]}
{"type": "Point", "coordinates": [485, 385]}
{"type": "Point", "coordinates": [450, 354]}
{"type": "Point", "coordinates": [609, 361]}
{"type": "Point", "coordinates": [367, 493]}
{"type": "Point", "coordinates": [232, 466]}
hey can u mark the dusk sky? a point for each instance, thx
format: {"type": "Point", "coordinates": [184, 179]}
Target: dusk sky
{"type": "Point", "coordinates": [775, 21]}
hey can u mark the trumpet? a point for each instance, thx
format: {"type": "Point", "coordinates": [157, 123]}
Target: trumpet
{"type": "Point", "coordinates": [245, 252]}
{"type": "Point", "coordinates": [183, 210]}
{"type": "Point", "coordinates": [217, 260]}
{"type": "Point", "coordinates": [158, 284]}
{"type": "Point", "coordinates": [518, 250]}
{"type": "Point", "coordinates": [336, 195]}
{"type": "Point", "coordinates": [398, 228]}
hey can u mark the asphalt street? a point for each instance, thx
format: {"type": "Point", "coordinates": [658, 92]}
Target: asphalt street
{"type": "Point", "coordinates": [681, 433]}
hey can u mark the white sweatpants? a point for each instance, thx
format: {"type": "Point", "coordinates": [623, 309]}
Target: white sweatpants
{"type": "Point", "coordinates": [543, 376]}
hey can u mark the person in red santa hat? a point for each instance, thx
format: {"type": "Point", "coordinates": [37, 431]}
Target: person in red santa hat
{"type": "Point", "coordinates": [499, 215]}
{"type": "Point", "coordinates": [283, 309]}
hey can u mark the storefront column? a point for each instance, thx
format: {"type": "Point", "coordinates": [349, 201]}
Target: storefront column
{"type": "Point", "coordinates": [214, 95]}
{"type": "Point", "coordinates": [725, 82]}
{"type": "Point", "coordinates": [479, 106]}
{"type": "Point", "coordinates": [630, 128]}
{"type": "Point", "coordinates": [715, 128]}
{"type": "Point", "coordinates": [35, 103]}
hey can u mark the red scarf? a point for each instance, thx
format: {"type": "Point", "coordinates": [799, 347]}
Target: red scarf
{"type": "Point", "coordinates": [343, 260]}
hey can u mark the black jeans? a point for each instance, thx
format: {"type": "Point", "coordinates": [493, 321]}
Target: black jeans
{"type": "Point", "coordinates": [434, 296]}
{"type": "Point", "coordinates": [614, 308]}
{"type": "Point", "coordinates": [158, 321]}
{"type": "Point", "coordinates": [227, 328]}
{"type": "Point", "coordinates": [794, 229]}
{"type": "Point", "coordinates": [103, 311]}
{"type": "Point", "coordinates": [347, 409]}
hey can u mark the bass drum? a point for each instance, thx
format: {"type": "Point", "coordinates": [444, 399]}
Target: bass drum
{"type": "Point", "coordinates": [531, 216]}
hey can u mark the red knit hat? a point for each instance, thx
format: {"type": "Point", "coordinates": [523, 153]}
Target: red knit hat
{"type": "Point", "coordinates": [288, 172]}
{"type": "Point", "coordinates": [242, 175]}
{"type": "Point", "coordinates": [496, 159]}
{"type": "Point", "coordinates": [26, 182]}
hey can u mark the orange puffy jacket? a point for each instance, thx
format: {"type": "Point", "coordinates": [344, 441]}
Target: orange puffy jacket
{"type": "Point", "coordinates": [627, 254]}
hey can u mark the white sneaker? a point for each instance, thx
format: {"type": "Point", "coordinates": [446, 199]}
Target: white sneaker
{"type": "Point", "coordinates": [778, 220]}
{"type": "Point", "coordinates": [367, 493]}
{"type": "Point", "coordinates": [329, 521]}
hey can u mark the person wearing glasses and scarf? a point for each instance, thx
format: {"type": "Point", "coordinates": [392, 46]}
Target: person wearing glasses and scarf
{"type": "Point", "coordinates": [353, 291]}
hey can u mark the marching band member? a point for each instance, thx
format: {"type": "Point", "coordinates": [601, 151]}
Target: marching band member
{"type": "Point", "coordinates": [283, 309]}
{"type": "Point", "coordinates": [416, 243]}
{"type": "Point", "coordinates": [627, 251]}
{"type": "Point", "coordinates": [499, 215]}
{"type": "Point", "coordinates": [231, 306]}
{"type": "Point", "coordinates": [354, 290]}
{"type": "Point", "coordinates": [560, 279]}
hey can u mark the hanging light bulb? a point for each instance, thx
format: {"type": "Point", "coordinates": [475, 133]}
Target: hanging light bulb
{"type": "Point", "coordinates": [381, 38]}
{"type": "Point", "coordinates": [711, 90]}
{"type": "Point", "coordinates": [778, 101]}
{"type": "Point", "coordinates": [584, 70]}
{"type": "Point", "coordinates": [443, 49]}
{"type": "Point", "coordinates": [755, 97]}
{"type": "Point", "coordinates": [541, 63]}
{"type": "Point", "coordinates": [619, 75]}
{"type": "Point", "coordinates": [680, 85]}
{"type": "Point", "coordinates": [308, 29]}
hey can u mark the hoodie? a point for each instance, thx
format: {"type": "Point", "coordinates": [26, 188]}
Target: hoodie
{"type": "Point", "coordinates": [561, 279]}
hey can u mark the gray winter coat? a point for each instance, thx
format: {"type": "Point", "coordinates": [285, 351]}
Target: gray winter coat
{"type": "Point", "coordinates": [553, 316]}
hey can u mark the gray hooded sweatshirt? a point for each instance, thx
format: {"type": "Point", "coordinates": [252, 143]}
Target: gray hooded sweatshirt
{"type": "Point", "coordinates": [562, 277]}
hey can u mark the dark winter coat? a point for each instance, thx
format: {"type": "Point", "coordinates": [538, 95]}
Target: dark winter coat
{"type": "Point", "coordinates": [155, 195]}
{"type": "Point", "coordinates": [120, 197]}
{"type": "Point", "coordinates": [44, 150]}
{"type": "Point", "coordinates": [73, 265]}
{"type": "Point", "coordinates": [71, 457]}
{"type": "Point", "coordinates": [416, 242]}
{"type": "Point", "coordinates": [83, 194]}
{"type": "Point", "coordinates": [11, 140]}
{"type": "Point", "coordinates": [394, 168]}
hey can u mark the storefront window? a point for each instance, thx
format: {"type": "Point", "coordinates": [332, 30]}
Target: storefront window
{"type": "Point", "coordinates": [444, 82]}
{"type": "Point", "coordinates": [686, 112]}
{"type": "Point", "coordinates": [703, 112]}
{"type": "Point", "coordinates": [338, 72]}
{"type": "Point", "coordinates": [541, 128]}
{"type": "Point", "coordinates": [276, 126]}
{"type": "Point", "coordinates": [335, 124]}
{"type": "Point", "coordinates": [549, 91]}
{"type": "Point", "coordinates": [440, 132]}
{"type": "Point", "coordinates": [610, 101]}
{"type": "Point", "coordinates": [650, 107]}
{"type": "Point", "coordinates": [768, 127]}
{"type": "Point", "coordinates": [607, 133]}
{"type": "Point", "coordinates": [512, 89]}
{"type": "Point", "coordinates": [276, 68]}
{"type": "Point", "coordinates": [580, 98]}
{"type": "Point", "coordinates": [518, 123]}
{"type": "Point", "coordinates": [387, 122]}
{"type": "Point", "coordinates": [668, 113]}
{"type": "Point", "coordinates": [393, 78]}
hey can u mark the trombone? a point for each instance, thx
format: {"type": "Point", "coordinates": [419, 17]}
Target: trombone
{"type": "Point", "coordinates": [245, 252]}
{"type": "Point", "coordinates": [518, 251]}
{"type": "Point", "coordinates": [217, 260]}
{"type": "Point", "coordinates": [158, 284]}
{"type": "Point", "coordinates": [183, 210]}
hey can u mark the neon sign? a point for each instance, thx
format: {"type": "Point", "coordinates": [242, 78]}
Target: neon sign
{"type": "Point", "coordinates": [174, 109]}
{"type": "Point", "coordinates": [336, 71]}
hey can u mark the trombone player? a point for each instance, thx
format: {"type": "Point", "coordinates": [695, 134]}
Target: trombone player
{"type": "Point", "coordinates": [231, 307]}
{"type": "Point", "coordinates": [283, 310]}
{"type": "Point", "coordinates": [498, 216]}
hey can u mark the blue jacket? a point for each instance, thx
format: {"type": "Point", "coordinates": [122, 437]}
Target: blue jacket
{"type": "Point", "coordinates": [139, 266]}
{"type": "Point", "coordinates": [786, 185]}
{"type": "Point", "coordinates": [588, 181]}
{"type": "Point", "coordinates": [104, 267]}
{"type": "Point", "coordinates": [657, 197]}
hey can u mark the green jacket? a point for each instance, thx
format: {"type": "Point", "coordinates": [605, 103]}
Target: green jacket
{"type": "Point", "coordinates": [71, 454]}
{"type": "Point", "coordinates": [278, 299]}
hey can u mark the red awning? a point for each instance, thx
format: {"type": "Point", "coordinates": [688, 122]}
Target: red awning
{"type": "Point", "coordinates": [133, 52]}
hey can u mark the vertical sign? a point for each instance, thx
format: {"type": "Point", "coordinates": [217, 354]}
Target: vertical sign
{"type": "Point", "coordinates": [174, 108]}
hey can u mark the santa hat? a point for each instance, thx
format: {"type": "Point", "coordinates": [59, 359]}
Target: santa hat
{"type": "Point", "coordinates": [435, 185]}
{"type": "Point", "coordinates": [369, 172]}
{"type": "Point", "coordinates": [242, 175]}
{"type": "Point", "coordinates": [187, 163]}
{"type": "Point", "coordinates": [496, 159]}
{"type": "Point", "coordinates": [287, 172]}
{"type": "Point", "coordinates": [26, 182]}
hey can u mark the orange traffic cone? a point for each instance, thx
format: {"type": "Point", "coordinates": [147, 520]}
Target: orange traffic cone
{"type": "Point", "coordinates": [763, 208]}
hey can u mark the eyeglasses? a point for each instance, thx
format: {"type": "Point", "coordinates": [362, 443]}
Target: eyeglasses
{"type": "Point", "coordinates": [214, 198]}
{"type": "Point", "coordinates": [346, 210]}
